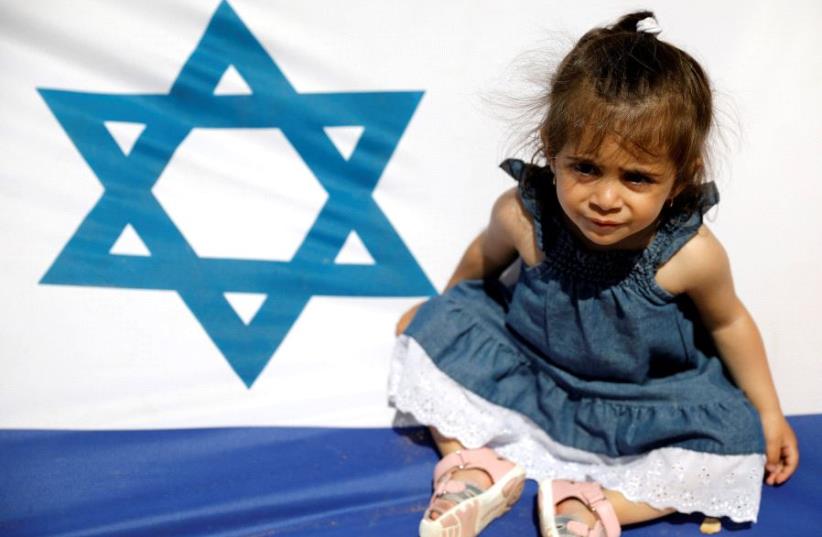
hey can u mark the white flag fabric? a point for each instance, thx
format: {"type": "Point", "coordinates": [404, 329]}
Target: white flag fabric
{"type": "Point", "coordinates": [213, 213]}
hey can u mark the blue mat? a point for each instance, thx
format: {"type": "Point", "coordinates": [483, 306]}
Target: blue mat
{"type": "Point", "coordinates": [288, 481]}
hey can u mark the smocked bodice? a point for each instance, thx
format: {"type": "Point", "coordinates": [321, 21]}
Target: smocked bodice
{"type": "Point", "coordinates": [604, 306]}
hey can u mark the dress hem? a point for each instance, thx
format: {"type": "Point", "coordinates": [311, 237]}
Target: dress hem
{"type": "Point", "coordinates": [671, 477]}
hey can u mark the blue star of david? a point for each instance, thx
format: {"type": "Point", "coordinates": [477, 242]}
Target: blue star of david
{"type": "Point", "coordinates": [201, 282]}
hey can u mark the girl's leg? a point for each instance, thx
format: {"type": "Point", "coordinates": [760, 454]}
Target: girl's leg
{"type": "Point", "coordinates": [445, 445]}
{"type": "Point", "coordinates": [627, 512]}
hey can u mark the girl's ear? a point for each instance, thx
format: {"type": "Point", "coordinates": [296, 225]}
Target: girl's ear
{"type": "Point", "coordinates": [551, 161]}
{"type": "Point", "coordinates": [676, 191]}
{"type": "Point", "coordinates": [681, 185]}
{"type": "Point", "coordinates": [696, 166]}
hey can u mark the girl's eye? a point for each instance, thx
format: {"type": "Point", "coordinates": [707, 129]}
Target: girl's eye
{"type": "Point", "coordinates": [638, 178]}
{"type": "Point", "coordinates": [585, 168]}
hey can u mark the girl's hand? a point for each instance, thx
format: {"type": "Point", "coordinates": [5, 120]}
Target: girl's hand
{"type": "Point", "coordinates": [405, 320]}
{"type": "Point", "coordinates": [781, 448]}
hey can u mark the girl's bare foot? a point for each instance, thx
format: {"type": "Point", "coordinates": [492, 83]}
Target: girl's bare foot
{"type": "Point", "coordinates": [577, 510]}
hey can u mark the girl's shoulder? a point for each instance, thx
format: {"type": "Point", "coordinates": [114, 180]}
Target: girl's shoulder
{"type": "Point", "coordinates": [533, 183]}
{"type": "Point", "coordinates": [701, 263]}
{"type": "Point", "coordinates": [535, 195]}
{"type": "Point", "coordinates": [701, 270]}
{"type": "Point", "coordinates": [511, 216]}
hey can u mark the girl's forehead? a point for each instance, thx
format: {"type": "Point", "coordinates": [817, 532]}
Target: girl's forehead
{"type": "Point", "coordinates": [613, 147]}
{"type": "Point", "coordinates": [647, 131]}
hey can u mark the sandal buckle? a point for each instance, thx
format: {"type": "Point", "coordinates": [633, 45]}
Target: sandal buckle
{"type": "Point", "coordinates": [592, 505]}
{"type": "Point", "coordinates": [462, 465]}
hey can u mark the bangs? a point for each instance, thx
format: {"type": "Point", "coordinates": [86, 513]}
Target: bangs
{"type": "Point", "coordinates": [651, 128]}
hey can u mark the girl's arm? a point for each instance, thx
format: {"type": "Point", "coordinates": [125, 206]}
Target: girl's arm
{"type": "Point", "coordinates": [496, 247]}
{"type": "Point", "coordinates": [705, 275]}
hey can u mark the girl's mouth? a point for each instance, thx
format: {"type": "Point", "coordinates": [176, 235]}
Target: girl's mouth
{"type": "Point", "coordinates": [604, 223]}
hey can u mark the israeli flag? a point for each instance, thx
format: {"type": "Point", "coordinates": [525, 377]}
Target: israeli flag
{"type": "Point", "coordinates": [212, 215]}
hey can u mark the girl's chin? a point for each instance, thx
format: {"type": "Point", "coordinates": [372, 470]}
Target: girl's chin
{"type": "Point", "coordinates": [616, 239]}
{"type": "Point", "coordinates": [596, 239]}
{"type": "Point", "coordinates": [603, 241]}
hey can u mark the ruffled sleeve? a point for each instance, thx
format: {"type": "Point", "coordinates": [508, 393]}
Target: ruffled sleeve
{"type": "Point", "coordinates": [533, 184]}
{"type": "Point", "coordinates": [680, 228]}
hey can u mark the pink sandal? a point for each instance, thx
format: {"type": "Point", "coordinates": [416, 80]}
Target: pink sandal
{"type": "Point", "coordinates": [551, 493]}
{"type": "Point", "coordinates": [474, 508]}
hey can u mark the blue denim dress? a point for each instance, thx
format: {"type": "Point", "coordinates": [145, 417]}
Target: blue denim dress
{"type": "Point", "coordinates": [588, 346]}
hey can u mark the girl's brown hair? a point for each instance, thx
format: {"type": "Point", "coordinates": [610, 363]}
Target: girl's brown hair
{"type": "Point", "coordinates": [652, 95]}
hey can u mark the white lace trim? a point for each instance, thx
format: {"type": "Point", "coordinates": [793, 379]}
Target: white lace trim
{"type": "Point", "coordinates": [688, 481]}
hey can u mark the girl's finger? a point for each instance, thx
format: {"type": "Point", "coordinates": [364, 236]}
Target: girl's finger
{"type": "Point", "coordinates": [790, 460]}
{"type": "Point", "coordinates": [782, 476]}
{"type": "Point", "coordinates": [772, 453]}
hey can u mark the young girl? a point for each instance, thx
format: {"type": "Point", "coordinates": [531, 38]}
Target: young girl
{"type": "Point", "coordinates": [620, 369]}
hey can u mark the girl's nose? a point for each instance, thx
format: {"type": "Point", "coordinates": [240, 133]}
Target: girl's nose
{"type": "Point", "coordinates": [605, 198]}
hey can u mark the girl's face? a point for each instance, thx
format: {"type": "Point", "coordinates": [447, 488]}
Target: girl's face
{"type": "Point", "coordinates": [612, 198]}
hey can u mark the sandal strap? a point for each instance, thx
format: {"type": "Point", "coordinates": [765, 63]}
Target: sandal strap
{"type": "Point", "coordinates": [484, 459]}
{"type": "Point", "coordinates": [448, 485]}
{"type": "Point", "coordinates": [468, 492]}
{"type": "Point", "coordinates": [592, 495]}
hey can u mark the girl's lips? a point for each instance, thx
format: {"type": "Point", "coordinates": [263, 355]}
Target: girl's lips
{"type": "Point", "coordinates": [605, 223]}
{"type": "Point", "coordinates": [604, 227]}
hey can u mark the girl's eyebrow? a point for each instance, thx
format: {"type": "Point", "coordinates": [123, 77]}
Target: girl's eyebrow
{"type": "Point", "coordinates": [592, 159]}
{"type": "Point", "coordinates": [641, 171]}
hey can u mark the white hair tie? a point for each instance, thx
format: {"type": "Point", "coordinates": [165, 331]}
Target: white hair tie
{"type": "Point", "coordinates": [649, 26]}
